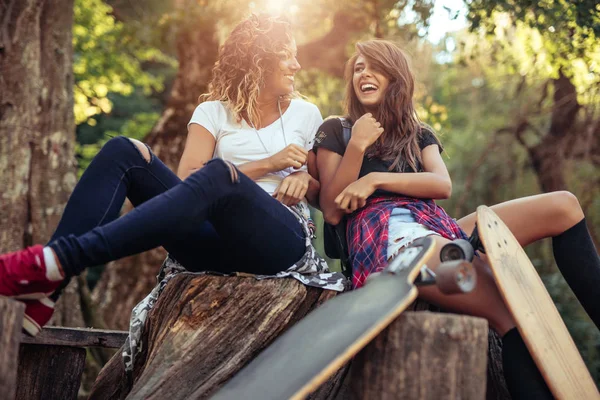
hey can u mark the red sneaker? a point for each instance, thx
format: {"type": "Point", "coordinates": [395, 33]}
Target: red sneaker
{"type": "Point", "coordinates": [37, 314]}
{"type": "Point", "coordinates": [23, 274]}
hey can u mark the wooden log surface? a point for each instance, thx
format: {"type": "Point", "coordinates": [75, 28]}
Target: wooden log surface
{"type": "Point", "coordinates": [49, 372]}
{"type": "Point", "coordinates": [424, 355]}
{"type": "Point", "coordinates": [77, 337]}
{"type": "Point", "coordinates": [11, 320]}
{"type": "Point", "coordinates": [204, 329]}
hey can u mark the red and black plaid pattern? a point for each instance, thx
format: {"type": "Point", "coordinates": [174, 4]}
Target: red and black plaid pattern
{"type": "Point", "coordinates": [367, 231]}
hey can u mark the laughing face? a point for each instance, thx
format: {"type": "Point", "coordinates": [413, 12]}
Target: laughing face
{"type": "Point", "coordinates": [369, 84]}
{"type": "Point", "coordinates": [281, 81]}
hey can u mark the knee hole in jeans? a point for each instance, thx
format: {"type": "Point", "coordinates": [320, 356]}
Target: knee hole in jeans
{"type": "Point", "coordinates": [143, 149]}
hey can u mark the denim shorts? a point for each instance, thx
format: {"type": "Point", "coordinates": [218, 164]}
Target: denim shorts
{"type": "Point", "coordinates": [403, 230]}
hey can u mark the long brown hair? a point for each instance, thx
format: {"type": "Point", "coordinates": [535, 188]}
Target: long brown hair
{"type": "Point", "coordinates": [399, 143]}
{"type": "Point", "coordinates": [248, 55]}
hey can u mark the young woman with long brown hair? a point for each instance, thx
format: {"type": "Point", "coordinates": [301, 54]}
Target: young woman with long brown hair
{"type": "Point", "coordinates": [244, 210]}
{"type": "Point", "coordinates": [386, 178]}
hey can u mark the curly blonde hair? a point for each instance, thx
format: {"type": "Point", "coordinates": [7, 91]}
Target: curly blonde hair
{"type": "Point", "coordinates": [248, 55]}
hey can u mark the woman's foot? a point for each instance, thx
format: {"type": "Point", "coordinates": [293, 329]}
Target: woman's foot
{"type": "Point", "coordinates": [37, 314]}
{"type": "Point", "coordinates": [23, 274]}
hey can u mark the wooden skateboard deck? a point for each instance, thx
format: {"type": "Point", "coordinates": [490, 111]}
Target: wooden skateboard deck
{"type": "Point", "coordinates": [305, 356]}
{"type": "Point", "coordinates": [535, 314]}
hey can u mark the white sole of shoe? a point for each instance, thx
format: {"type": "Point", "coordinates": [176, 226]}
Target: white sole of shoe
{"type": "Point", "coordinates": [30, 296]}
{"type": "Point", "coordinates": [30, 326]}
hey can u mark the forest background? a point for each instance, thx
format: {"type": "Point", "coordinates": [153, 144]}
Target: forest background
{"type": "Point", "coordinates": [514, 93]}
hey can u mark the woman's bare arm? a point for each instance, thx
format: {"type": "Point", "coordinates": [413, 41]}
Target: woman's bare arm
{"type": "Point", "coordinates": [434, 183]}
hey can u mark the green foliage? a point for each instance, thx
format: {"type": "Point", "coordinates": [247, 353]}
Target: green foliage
{"type": "Point", "coordinates": [136, 128]}
{"type": "Point", "coordinates": [568, 28]}
{"type": "Point", "coordinates": [107, 60]}
{"type": "Point", "coordinates": [325, 91]}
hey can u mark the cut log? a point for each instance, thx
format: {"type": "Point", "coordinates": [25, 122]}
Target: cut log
{"type": "Point", "coordinates": [11, 320]}
{"type": "Point", "coordinates": [77, 337]}
{"type": "Point", "coordinates": [424, 355]}
{"type": "Point", "coordinates": [204, 329]}
{"type": "Point", "coordinates": [49, 372]}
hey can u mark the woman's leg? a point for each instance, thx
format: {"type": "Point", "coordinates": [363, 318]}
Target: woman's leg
{"type": "Point", "coordinates": [534, 217]}
{"type": "Point", "coordinates": [523, 378]}
{"type": "Point", "coordinates": [484, 301]}
{"type": "Point", "coordinates": [122, 168]}
{"type": "Point", "coordinates": [263, 235]}
{"type": "Point", "coordinates": [126, 168]}
{"type": "Point", "coordinates": [557, 215]}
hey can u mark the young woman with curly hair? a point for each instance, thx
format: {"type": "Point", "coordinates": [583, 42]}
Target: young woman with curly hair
{"type": "Point", "coordinates": [237, 203]}
{"type": "Point", "coordinates": [385, 179]}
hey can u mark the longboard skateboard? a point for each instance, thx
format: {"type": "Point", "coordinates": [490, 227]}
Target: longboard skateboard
{"type": "Point", "coordinates": [535, 314]}
{"type": "Point", "coordinates": [301, 359]}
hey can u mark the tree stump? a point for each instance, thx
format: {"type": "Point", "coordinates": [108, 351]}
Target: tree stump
{"type": "Point", "coordinates": [11, 320]}
{"type": "Point", "coordinates": [204, 329]}
{"type": "Point", "coordinates": [424, 355]}
{"type": "Point", "coordinates": [49, 372]}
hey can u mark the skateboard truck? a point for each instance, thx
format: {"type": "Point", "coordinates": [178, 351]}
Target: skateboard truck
{"type": "Point", "coordinates": [461, 249]}
{"type": "Point", "coordinates": [457, 276]}
{"type": "Point", "coordinates": [451, 278]}
{"type": "Point", "coordinates": [426, 277]}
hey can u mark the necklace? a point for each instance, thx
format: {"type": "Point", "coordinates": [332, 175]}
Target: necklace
{"type": "Point", "coordinates": [282, 129]}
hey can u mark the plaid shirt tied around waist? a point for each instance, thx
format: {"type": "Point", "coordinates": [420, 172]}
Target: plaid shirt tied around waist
{"type": "Point", "coordinates": [367, 231]}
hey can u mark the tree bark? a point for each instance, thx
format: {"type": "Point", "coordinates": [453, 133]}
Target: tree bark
{"type": "Point", "coordinates": [11, 319]}
{"type": "Point", "coordinates": [37, 131]}
{"type": "Point", "coordinates": [49, 372]}
{"type": "Point", "coordinates": [548, 157]}
{"type": "Point", "coordinates": [424, 356]}
{"type": "Point", "coordinates": [332, 60]}
{"type": "Point", "coordinates": [37, 128]}
{"type": "Point", "coordinates": [203, 330]}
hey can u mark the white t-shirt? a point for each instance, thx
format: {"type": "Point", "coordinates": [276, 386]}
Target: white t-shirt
{"type": "Point", "coordinates": [239, 143]}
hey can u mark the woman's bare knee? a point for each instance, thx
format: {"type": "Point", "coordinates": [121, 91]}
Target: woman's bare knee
{"type": "Point", "coordinates": [142, 148]}
{"type": "Point", "coordinates": [567, 207]}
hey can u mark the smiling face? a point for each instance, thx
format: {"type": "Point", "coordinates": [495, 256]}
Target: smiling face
{"type": "Point", "coordinates": [280, 81]}
{"type": "Point", "coordinates": [369, 84]}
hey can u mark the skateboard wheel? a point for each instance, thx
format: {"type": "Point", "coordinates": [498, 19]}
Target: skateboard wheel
{"type": "Point", "coordinates": [456, 276]}
{"type": "Point", "coordinates": [458, 249]}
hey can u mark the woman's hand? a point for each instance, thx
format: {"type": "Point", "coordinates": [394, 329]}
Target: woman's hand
{"type": "Point", "coordinates": [355, 195]}
{"type": "Point", "coordinates": [293, 188]}
{"type": "Point", "coordinates": [292, 156]}
{"type": "Point", "coordinates": [365, 132]}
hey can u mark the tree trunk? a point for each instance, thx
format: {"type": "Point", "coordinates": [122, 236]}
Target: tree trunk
{"type": "Point", "coordinates": [37, 131]}
{"type": "Point", "coordinates": [11, 318]}
{"type": "Point", "coordinates": [424, 356]}
{"type": "Point", "coordinates": [37, 128]}
{"type": "Point", "coordinates": [332, 60]}
{"type": "Point", "coordinates": [203, 329]}
{"type": "Point", "coordinates": [548, 157]}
